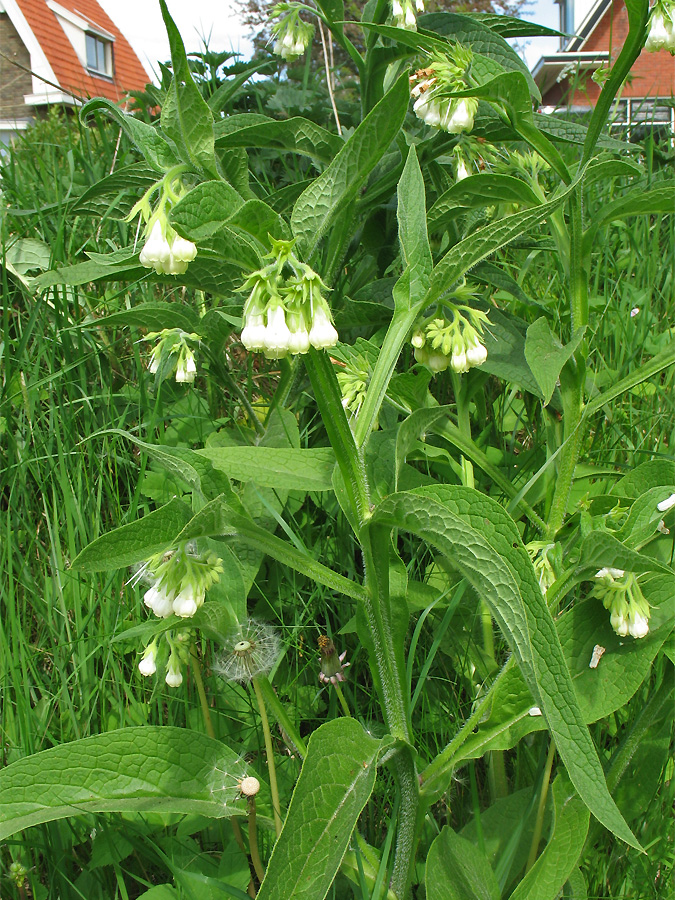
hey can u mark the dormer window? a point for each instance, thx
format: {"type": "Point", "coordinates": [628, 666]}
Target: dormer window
{"type": "Point", "coordinates": [99, 55]}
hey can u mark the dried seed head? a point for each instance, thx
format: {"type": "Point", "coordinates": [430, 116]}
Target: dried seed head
{"type": "Point", "coordinates": [249, 650]}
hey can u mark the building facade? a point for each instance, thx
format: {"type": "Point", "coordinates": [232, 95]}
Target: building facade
{"type": "Point", "coordinates": [571, 78]}
{"type": "Point", "coordinates": [60, 53]}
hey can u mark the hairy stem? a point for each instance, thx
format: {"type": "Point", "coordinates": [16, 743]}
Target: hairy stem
{"type": "Point", "coordinates": [541, 807]}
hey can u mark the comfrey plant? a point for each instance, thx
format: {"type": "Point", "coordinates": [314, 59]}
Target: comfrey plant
{"type": "Point", "coordinates": [546, 586]}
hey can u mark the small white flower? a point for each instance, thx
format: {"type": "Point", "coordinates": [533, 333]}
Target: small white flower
{"type": "Point", "coordinates": [322, 333]}
{"type": "Point", "coordinates": [396, 9]}
{"type": "Point", "coordinates": [608, 571]}
{"type": "Point", "coordinates": [638, 625]}
{"type": "Point", "coordinates": [148, 664]}
{"type": "Point", "coordinates": [174, 676]}
{"type": "Point", "coordinates": [462, 171]}
{"type": "Point", "coordinates": [461, 118]}
{"type": "Point", "coordinates": [410, 20]}
{"type": "Point", "coordinates": [186, 369]}
{"type": "Point", "coordinates": [619, 623]}
{"type": "Point", "coordinates": [476, 353]}
{"type": "Point", "coordinates": [154, 247]}
{"type": "Point", "coordinates": [253, 335]}
{"type": "Point", "coordinates": [459, 362]}
{"type": "Point", "coordinates": [660, 33]}
{"type": "Point", "coordinates": [437, 362]}
{"type": "Point", "coordinates": [419, 6]}
{"type": "Point", "coordinates": [667, 504]}
{"type": "Point", "coordinates": [182, 250]}
{"type": "Point", "coordinates": [277, 333]}
{"type": "Point", "coordinates": [188, 601]}
{"type": "Point", "coordinates": [159, 600]}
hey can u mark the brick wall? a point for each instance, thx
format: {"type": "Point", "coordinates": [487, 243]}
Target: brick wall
{"type": "Point", "coordinates": [652, 75]}
{"type": "Point", "coordinates": [14, 82]}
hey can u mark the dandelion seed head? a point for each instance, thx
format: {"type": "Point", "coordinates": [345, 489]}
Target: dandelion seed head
{"type": "Point", "coordinates": [248, 651]}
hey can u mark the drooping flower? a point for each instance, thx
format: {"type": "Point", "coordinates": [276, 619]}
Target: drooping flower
{"type": "Point", "coordinates": [433, 87]}
{"type": "Point", "coordinates": [180, 579]}
{"type": "Point", "coordinates": [292, 35]}
{"type": "Point", "coordinates": [621, 594]}
{"type": "Point", "coordinates": [661, 34]}
{"type": "Point", "coordinates": [174, 676]}
{"type": "Point", "coordinates": [456, 342]}
{"type": "Point", "coordinates": [148, 664]}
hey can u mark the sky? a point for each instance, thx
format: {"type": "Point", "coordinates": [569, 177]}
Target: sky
{"type": "Point", "coordinates": [141, 23]}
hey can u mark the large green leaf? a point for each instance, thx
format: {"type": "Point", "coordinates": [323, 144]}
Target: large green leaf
{"type": "Point", "coordinates": [203, 210]}
{"type": "Point", "coordinates": [317, 206]}
{"type": "Point", "coordinates": [335, 782]}
{"type": "Point", "coordinates": [479, 245]}
{"type": "Point", "coordinates": [601, 691]}
{"type": "Point", "coordinates": [546, 355]}
{"type": "Point", "coordinates": [482, 39]}
{"type": "Point", "coordinates": [186, 117]}
{"type": "Point", "coordinates": [569, 828]}
{"type": "Point", "coordinates": [483, 544]}
{"type": "Point", "coordinates": [457, 870]}
{"type": "Point", "coordinates": [478, 191]}
{"type": "Point", "coordinates": [286, 469]}
{"type": "Point", "coordinates": [144, 769]}
{"type": "Point", "coordinates": [297, 135]}
{"type": "Point", "coordinates": [152, 144]}
{"type": "Point", "coordinates": [136, 541]}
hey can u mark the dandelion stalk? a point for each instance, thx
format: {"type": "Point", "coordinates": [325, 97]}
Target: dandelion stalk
{"type": "Point", "coordinates": [271, 767]}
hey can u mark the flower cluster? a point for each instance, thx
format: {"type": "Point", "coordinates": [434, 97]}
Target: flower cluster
{"type": "Point", "coordinates": [403, 13]}
{"type": "Point", "coordinates": [179, 651]}
{"type": "Point", "coordinates": [621, 595]}
{"type": "Point", "coordinates": [180, 580]}
{"type": "Point", "coordinates": [332, 665]}
{"type": "Point", "coordinates": [286, 313]}
{"type": "Point", "coordinates": [163, 250]}
{"type": "Point", "coordinates": [249, 650]}
{"type": "Point", "coordinates": [457, 343]}
{"type": "Point", "coordinates": [433, 89]}
{"type": "Point", "coordinates": [173, 352]}
{"type": "Point", "coordinates": [292, 35]}
{"type": "Point", "coordinates": [661, 34]}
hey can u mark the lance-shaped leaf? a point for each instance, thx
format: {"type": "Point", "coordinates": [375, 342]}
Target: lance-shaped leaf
{"type": "Point", "coordinates": [478, 191]}
{"type": "Point", "coordinates": [569, 828]}
{"type": "Point", "coordinates": [145, 769]}
{"type": "Point", "coordinates": [335, 782]}
{"type": "Point", "coordinates": [317, 206]}
{"type": "Point", "coordinates": [546, 355]}
{"type": "Point", "coordinates": [153, 145]}
{"type": "Point", "coordinates": [136, 541]}
{"type": "Point", "coordinates": [186, 117]}
{"type": "Point", "coordinates": [483, 544]}
{"type": "Point", "coordinates": [479, 245]}
{"type": "Point", "coordinates": [457, 870]}
{"type": "Point", "coordinates": [283, 468]}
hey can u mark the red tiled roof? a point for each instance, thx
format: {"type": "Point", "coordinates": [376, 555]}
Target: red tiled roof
{"type": "Point", "coordinates": [128, 72]}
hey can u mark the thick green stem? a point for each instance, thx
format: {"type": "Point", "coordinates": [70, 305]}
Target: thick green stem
{"type": "Point", "coordinates": [271, 767]}
{"type": "Point", "coordinates": [573, 375]}
{"type": "Point", "coordinates": [406, 835]}
{"type": "Point", "coordinates": [343, 702]}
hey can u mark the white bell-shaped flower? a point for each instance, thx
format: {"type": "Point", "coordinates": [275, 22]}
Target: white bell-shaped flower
{"type": "Point", "coordinates": [148, 664]}
{"type": "Point", "coordinates": [476, 354]}
{"type": "Point", "coordinates": [253, 334]}
{"type": "Point", "coordinates": [154, 248]}
{"type": "Point", "coordinates": [461, 118]}
{"type": "Point", "coordinates": [186, 368]}
{"type": "Point", "coordinates": [277, 333]}
{"type": "Point", "coordinates": [188, 601]}
{"type": "Point", "coordinates": [322, 333]}
{"type": "Point", "coordinates": [174, 676]}
{"type": "Point", "coordinates": [660, 33]}
{"type": "Point", "coordinates": [638, 625]}
{"type": "Point", "coordinates": [182, 250]}
{"type": "Point", "coordinates": [159, 600]}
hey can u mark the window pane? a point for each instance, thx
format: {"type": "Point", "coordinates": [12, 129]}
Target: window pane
{"type": "Point", "coordinates": [91, 51]}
